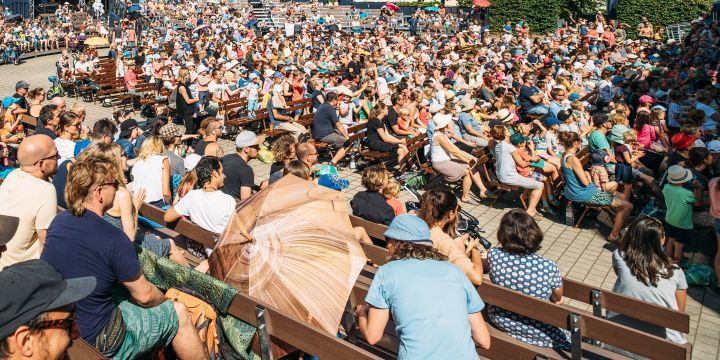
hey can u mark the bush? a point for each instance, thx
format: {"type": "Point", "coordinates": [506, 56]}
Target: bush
{"type": "Point", "coordinates": [542, 15]}
{"type": "Point", "coordinates": [660, 12]}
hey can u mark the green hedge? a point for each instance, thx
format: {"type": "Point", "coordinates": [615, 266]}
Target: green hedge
{"type": "Point", "coordinates": [542, 15]}
{"type": "Point", "coordinates": [660, 12]}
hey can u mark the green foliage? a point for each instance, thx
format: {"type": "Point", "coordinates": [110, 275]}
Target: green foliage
{"type": "Point", "coordinates": [542, 15]}
{"type": "Point", "coordinates": [415, 3]}
{"type": "Point", "coordinates": [660, 12]}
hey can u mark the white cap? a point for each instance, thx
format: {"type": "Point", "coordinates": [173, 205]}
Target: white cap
{"type": "Point", "coordinates": [247, 139]}
{"type": "Point", "coordinates": [191, 160]}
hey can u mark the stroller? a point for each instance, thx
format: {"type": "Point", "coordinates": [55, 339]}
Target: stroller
{"type": "Point", "coordinates": [56, 89]}
{"type": "Point", "coordinates": [12, 53]}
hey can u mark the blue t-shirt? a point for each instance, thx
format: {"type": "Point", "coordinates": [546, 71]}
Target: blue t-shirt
{"type": "Point", "coordinates": [87, 245]}
{"type": "Point", "coordinates": [127, 147]}
{"type": "Point", "coordinates": [80, 146]}
{"type": "Point", "coordinates": [467, 119]}
{"type": "Point", "coordinates": [430, 302]}
{"type": "Point", "coordinates": [325, 120]}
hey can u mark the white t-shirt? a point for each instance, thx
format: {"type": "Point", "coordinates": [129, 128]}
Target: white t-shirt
{"type": "Point", "coordinates": [65, 148]}
{"type": "Point", "coordinates": [209, 210]}
{"type": "Point", "coordinates": [505, 166]}
{"type": "Point", "coordinates": [147, 174]}
{"type": "Point", "coordinates": [348, 118]}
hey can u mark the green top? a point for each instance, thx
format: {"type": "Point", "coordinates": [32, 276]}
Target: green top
{"type": "Point", "coordinates": [678, 201]}
{"type": "Point", "coordinates": [362, 115]}
{"type": "Point", "coordinates": [598, 141]}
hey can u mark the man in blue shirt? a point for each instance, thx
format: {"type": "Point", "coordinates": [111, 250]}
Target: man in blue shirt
{"type": "Point", "coordinates": [435, 307]}
{"type": "Point", "coordinates": [470, 129]}
{"type": "Point", "coordinates": [531, 98]}
{"type": "Point", "coordinates": [81, 243]}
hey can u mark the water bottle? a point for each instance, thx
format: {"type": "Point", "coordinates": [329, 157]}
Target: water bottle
{"type": "Point", "coordinates": [569, 214]}
{"type": "Point", "coordinates": [352, 161]}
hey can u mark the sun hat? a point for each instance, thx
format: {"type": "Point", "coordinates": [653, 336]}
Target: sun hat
{"type": "Point", "coordinates": [682, 140]}
{"type": "Point", "coordinates": [467, 103]}
{"type": "Point", "coordinates": [441, 120]}
{"type": "Point", "coordinates": [247, 139]}
{"type": "Point", "coordinates": [36, 288]}
{"type": "Point", "coordinates": [518, 138]}
{"type": "Point", "coordinates": [170, 130]}
{"type": "Point", "coordinates": [659, 108]}
{"type": "Point", "coordinates": [191, 160]}
{"type": "Point", "coordinates": [677, 174]}
{"type": "Point", "coordinates": [409, 228]}
{"type": "Point", "coordinates": [435, 107]}
{"type": "Point", "coordinates": [504, 115]}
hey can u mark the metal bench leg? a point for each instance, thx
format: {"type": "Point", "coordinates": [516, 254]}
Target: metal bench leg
{"type": "Point", "coordinates": [582, 216]}
{"type": "Point", "coordinates": [263, 336]}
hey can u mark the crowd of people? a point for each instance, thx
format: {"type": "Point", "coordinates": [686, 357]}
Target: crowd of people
{"type": "Point", "coordinates": [583, 116]}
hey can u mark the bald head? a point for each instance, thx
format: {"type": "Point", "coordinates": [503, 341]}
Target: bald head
{"type": "Point", "coordinates": [306, 153]}
{"type": "Point", "coordinates": [35, 148]}
{"type": "Point", "coordinates": [59, 102]}
{"type": "Point", "coordinates": [214, 149]}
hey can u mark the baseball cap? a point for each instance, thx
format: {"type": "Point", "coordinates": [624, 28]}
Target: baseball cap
{"type": "Point", "coordinates": [409, 228]}
{"type": "Point", "coordinates": [22, 85]}
{"type": "Point", "coordinates": [191, 160]}
{"type": "Point", "coordinates": [36, 288]}
{"type": "Point", "coordinates": [563, 115]}
{"type": "Point", "coordinates": [170, 130]}
{"type": "Point", "coordinates": [247, 139]}
{"type": "Point", "coordinates": [712, 146]}
{"type": "Point", "coordinates": [647, 99]}
{"type": "Point", "coordinates": [550, 121]}
{"type": "Point", "coordinates": [574, 96]}
{"type": "Point", "coordinates": [8, 227]}
{"type": "Point", "coordinates": [127, 126]}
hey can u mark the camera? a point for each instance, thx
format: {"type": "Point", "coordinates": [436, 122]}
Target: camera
{"type": "Point", "coordinates": [468, 224]}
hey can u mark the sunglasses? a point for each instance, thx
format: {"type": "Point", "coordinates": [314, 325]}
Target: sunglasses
{"type": "Point", "coordinates": [115, 184]}
{"type": "Point", "coordinates": [56, 156]}
{"type": "Point", "coordinates": [67, 324]}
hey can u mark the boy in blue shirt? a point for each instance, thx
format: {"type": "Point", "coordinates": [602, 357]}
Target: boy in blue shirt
{"type": "Point", "coordinates": [435, 307]}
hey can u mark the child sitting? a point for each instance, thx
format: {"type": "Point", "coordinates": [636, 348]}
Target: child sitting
{"type": "Point", "coordinates": [391, 192]}
{"type": "Point", "coordinates": [524, 166]}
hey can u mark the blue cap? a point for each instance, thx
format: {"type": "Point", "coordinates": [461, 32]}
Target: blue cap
{"type": "Point", "coordinates": [598, 62]}
{"type": "Point", "coordinates": [610, 69]}
{"type": "Point", "coordinates": [617, 79]}
{"type": "Point", "coordinates": [550, 121]}
{"type": "Point", "coordinates": [409, 228]}
{"type": "Point", "coordinates": [574, 96]}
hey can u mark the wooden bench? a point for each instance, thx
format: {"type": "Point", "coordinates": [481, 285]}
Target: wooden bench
{"type": "Point", "coordinates": [29, 124]}
{"type": "Point", "coordinates": [598, 298]}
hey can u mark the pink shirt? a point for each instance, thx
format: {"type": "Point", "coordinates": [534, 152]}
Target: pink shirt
{"type": "Point", "coordinates": [714, 198]}
{"type": "Point", "coordinates": [647, 135]}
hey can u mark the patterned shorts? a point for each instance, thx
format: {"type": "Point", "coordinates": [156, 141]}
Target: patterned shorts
{"type": "Point", "coordinates": [601, 198]}
{"type": "Point", "coordinates": [146, 328]}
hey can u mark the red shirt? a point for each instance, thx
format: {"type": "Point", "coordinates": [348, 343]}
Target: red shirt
{"type": "Point", "coordinates": [130, 79]}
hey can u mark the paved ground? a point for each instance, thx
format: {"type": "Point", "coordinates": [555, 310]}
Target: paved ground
{"type": "Point", "coordinates": [582, 254]}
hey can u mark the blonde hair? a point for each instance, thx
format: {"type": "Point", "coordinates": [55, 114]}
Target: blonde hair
{"type": "Point", "coordinates": [77, 109]}
{"type": "Point", "coordinates": [111, 151]}
{"type": "Point", "coordinates": [151, 146]}
{"type": "Point", "coordinates": [183, 75]}
{"type": "Point", "coordinates": [630, 137]}
{"type": "Point", "coordinates": [620, 119]}
{"type": "Point", "coordinates": [85, 176]}
{"type": "Point", "coordinates": [391, 189]}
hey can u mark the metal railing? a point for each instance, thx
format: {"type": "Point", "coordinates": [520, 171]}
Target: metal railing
{"type": "Point", "coordinates": [677, 32]}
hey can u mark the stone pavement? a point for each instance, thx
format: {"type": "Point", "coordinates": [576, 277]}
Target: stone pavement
{"type": "Point", "coordinates": [582, 254]}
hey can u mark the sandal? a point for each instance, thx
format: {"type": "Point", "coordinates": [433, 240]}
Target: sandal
{"type": "Point", "coordinates": [470, 201]}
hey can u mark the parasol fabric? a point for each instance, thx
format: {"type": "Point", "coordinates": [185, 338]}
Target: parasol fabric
{"type": "Point", "coordinates": [304, 258]}
{"type": "Point", "coordinates": [482, 3]}
{"type": "Point", "coordinates": [96, 41]}
{"type": "Point", "coordinates": [392, 7]}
